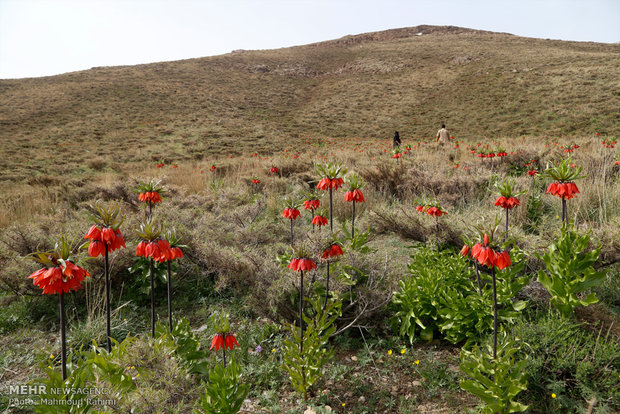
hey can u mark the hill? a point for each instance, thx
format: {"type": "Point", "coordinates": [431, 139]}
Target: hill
{"type": "Point", "coordinates": [482, 84]}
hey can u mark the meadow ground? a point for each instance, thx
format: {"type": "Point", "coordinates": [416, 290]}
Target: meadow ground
{"type": "Point", "coordinates": [234, 231]}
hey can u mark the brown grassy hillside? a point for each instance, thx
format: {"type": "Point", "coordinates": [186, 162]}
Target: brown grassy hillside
{"type": "Point", "coordinates": [481, 84]}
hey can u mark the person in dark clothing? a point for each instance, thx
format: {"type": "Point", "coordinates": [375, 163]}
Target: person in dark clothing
{"type": "Point", "coordinates": [397, 141]}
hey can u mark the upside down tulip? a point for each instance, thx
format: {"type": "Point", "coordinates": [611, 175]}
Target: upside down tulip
{"type": "Point", "coordinates": [563, 190]}
{"type": "Point", "coordinates": [301, 264]}
{"type": "Point", "coordinates": [507, 202]}
{"type": "Point", "coordinates": [319, 221]}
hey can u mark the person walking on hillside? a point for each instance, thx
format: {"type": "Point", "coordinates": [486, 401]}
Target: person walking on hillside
{"type": "Point", "coordinates": [397, 140]}
{"type": "Point", "coordinates": [442, 135]}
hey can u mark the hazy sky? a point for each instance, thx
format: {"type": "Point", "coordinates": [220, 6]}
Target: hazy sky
{"type": "Point", "coordinates": [47, 37]}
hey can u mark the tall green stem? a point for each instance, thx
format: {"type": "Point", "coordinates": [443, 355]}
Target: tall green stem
{"type": "Point", "coordinates": [494, 314]}
{"type": "Point", "coordinates": [152, 271]}
{"type": "Point", "coordinates": [353, 221]}
{"type": "Point", "coordinates": [169, 299]}
{"type": "Point", "coordinates": [106, 272]}
{"type": "Point", "coordinates": [63, 341]}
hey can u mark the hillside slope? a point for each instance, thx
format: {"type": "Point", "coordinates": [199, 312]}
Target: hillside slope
{"type": "Point", "coordinates": [481, 84]}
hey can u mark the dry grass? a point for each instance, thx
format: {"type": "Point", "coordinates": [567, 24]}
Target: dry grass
{"type": "Point", "coordinates": [482, 84]}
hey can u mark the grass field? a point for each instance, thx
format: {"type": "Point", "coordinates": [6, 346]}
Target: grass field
{"type": "Point", "coordinates": [72, 139]}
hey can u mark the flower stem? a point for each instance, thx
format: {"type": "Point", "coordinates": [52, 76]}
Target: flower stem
{"type": "Point", "coordinates": [224, 349]}
{"type": "Point", "coordinates": [63, 341]}
{"type": "Point", "coordinates": [106, 272]}
{"type": "Point", "coordinates": [326, 287]}
{"type": "Point", "coordinates": [478, 276]}
{"type": "Point", "coordinates": [152, 271]}
{"type": "Point", "coordinates": [564, 212]}
{"type": "Point", "coordinates": [169, 300]}
{"type": "Point", "coordinates": [301, 313]}
{"type": "Point", "coordinates": [331, 210]}
{"type": "Point", "coordinates": [494, 314]}
{"type": "Point", "coordinates": [353, 222]}
{"type": "Point", "coordinates": [506, 234]}
{"type": "Point", "coordinates": [292, 241]}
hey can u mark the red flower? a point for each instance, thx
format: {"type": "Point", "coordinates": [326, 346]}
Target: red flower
{"type": "Point", "coordinates": [355, 195]}
{"type": "Point", "coordinates": [94, 233]}
{"type": "Point", "coordinates": [96, 248]}
{"type": "Point", "coordinates": [327, 183]}
{"type": "Point", "coordinates": [312, 204]}
{"type": "Point", "coordinates": [177, 253]}
{"type": "Point", "coordinates": [107, 235]}
{"type": "Point", "coordinates": [420, 209]}
{"type": "Point", "coordinates": [230, 341]}
{"type": "Point", "coordinates": [301, 264]}
{"type": "Point", "coordinates": [435, 212]}
{"type": "Point", "coordinates": [291, 213]}
{"type": "Point", "coordinates": [217, 342]}
{"type": "Point", "coordinates": [255, 181]}
{"type": "Point", "coordinates": [507, 203]}
{"type": "Point", "coordinates": [274, 170]}
{"type": "Point", "coordinates": [141, 249]}
{"type": "Point", "coordinates": [319, 221]}
{"type": "Point", "coordinates": [332, 251]}
{"type": "Point", "coordinates": [465, 250]}
{"type": "Point", "coordinates": [532, 173]}
{"type": "Point", "coordinates": [563, 190]}
{"type": "Point", "coordinates": [502, 260]}
{"type": "Point", "coordinates": [56, 280]}
{"type": "Point", "coordinates": [486, 239]}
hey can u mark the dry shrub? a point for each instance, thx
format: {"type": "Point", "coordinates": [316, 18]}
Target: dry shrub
{"type": "Point", "coordinates": [97, 164]}
{"type": "Point", "coordinates": [386, 178]}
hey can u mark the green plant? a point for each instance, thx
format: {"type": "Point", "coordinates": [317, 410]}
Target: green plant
{"type": "Point", "coordinates": [224, 394]}
{"type": "Point", "coordinates": [187, 346]}
{"type": "Point", "coordinates": [570, 271]}
{"type": "Point", "coordinates": [304, 365]}
{"type": "Point", "coordinates": [440, 296]}
{"type": "Point", "coordinates": [95, 366]}
{"type": "Point", "coordinates": [496, 382]}
{"type": "Point", "coordinates": [568, 361]}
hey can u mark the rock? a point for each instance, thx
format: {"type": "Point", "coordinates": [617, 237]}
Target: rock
{"type": "Point", "coordinates": [353, 358]}
{"type": "Point", "coordinates": [362, 399]}
{"type": "Point", "coordinates": [309, 411]}
{"type": "Point", "coordinates": [416, 383]}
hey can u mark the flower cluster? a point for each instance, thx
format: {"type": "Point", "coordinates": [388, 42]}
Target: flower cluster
{"type": "Point", "coordinates": [532, 173]}
{"type": "Point", "coordinates": [312, 204]}
{"type": "Point", "coordinates": [301, 264]}
{"type": "Point", "coordinates": [274, 170]}
{"type": "Point", "coordinates": [507, 202]}
{"type": "Point", "coordinates": [150, 197]}
{"type": "Point", "coordinates": [100, 237]}
{"type": "Point", "coordinates": [291, 213]}
{"type": "Point", "coordinates": [327, 183]}
{"type": "Point", "coordinates": [158, 250]}
{"type": "Point", "coordinates": [319, 221]}
{"type": "Point", "coordinates": [435, 211]}
{"type": "Point", "coordinates": [332, 251]}
{"type": "Point", "coordinates": [563, 190]}
{"type": "Point", "coordinates": [354, 195]}
{"type": "Point", "coordinates": [61, 278]}
{"type": "Point", "coordinates": [486, 256]}
{"type": "Point", "coordinates": [224, 340]}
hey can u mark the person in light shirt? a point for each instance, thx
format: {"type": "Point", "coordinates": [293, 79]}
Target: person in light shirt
{"type": "Point", "coordinates": [442, 135]}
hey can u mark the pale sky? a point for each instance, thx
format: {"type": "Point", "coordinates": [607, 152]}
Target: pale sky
{"type": "Point", "coordinates": [48, 37]}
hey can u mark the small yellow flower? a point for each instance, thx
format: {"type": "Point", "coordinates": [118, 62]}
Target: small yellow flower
{"type": "Point", "coordinates": [417, 362]}
{"type": "Point", "coordinates": [553, 395]}
{"type": "Point", "coordinates": [402, 351]}
{"type": "Point", "coordinates": [52, 356]}
{"type": "Point", "coordinates": [273, 350]}
{"type": "Point", "coordinates": [343, 404]}
{"type": "Point", "coordinates": [390, 352]}
{"type": "Point", "coordinates": [137, 375]}
{"type": "Point", "coordinates": [49, 366]}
